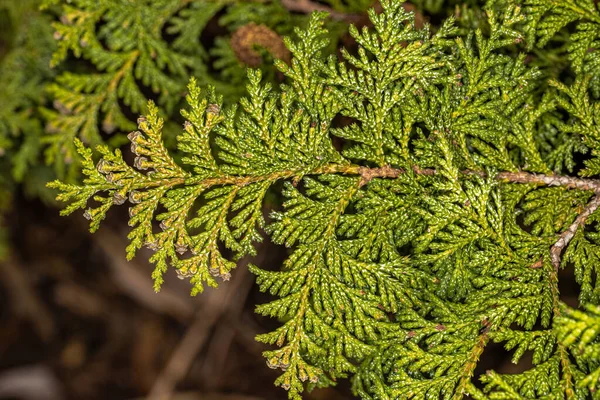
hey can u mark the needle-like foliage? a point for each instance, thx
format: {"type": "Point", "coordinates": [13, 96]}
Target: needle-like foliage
{"type": "Point", "coordinates": [424, 212]}
{"type": "Point", "coordinates": [149, 49]}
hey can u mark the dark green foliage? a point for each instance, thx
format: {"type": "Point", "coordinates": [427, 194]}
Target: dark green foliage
{"type": "Point", "coordinates": [546, 19]}
{"type": "Point", "coordinates": [148, 49]}
{"type": "Point", "coordinates": [429, 224]}
{"type": "Point", "coordinates": [124, 42]}
{"type": "Point", "coordinates": [27, 46]}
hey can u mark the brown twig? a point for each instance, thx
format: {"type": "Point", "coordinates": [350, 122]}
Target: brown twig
{"type": "Point", "coordinates": [551, 180]}
{"type": "Point", "coordinates": [308, 6]}
{"type": "Point", "coordinates": [367, 174]}
{"type": "Point", "coordinates": [182, 358]}
{"type": "Point", "coordinates": [385, 171]}
{"type": "Point", "coordinates": [222, 339]}
{"type": "Point", "coordinates": [555, 257]}
{"type": "Point", "coordinates": [564, 239]}
{"type": "Point", "coordinates": [245, 39]}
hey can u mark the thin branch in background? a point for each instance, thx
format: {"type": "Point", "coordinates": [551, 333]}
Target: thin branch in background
{"type": "Point", "coordinates": [134, 280]}
{"type": "Point", "coordinates": [24, 298]}
{"type": "Point", "coordinates": [217, 303]}
{"type": "Point", "coordinates": [222, 339]}
{"type": "Point", "coordinates": [308, 6]}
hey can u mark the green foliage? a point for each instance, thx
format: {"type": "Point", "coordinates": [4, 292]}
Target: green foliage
{"type": "Point", "coordinates": [24, 72]}
{"type": "Point", "coordinates": [579, 331]}
{"type": "Point", "coordinates": [545, 18]}
{"type": "Point", "coordinates": [26, 46]}
{"type": "Point", "coordinates": [424, 214]}
{"type": "Point", "coordinates": [128, 62]}
{"type": "Point", "coordinates": [146, 49]}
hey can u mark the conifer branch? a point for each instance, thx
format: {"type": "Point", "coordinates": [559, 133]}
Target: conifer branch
{"type": "Point", "coordinates": [387, 260]}
{"type": "Point", "coordinates": [367, 174]}
{"type": "Point", "coordinates": [564, 239]}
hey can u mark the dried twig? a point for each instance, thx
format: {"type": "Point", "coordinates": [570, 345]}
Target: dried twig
{"type": "Point", "coordinates": [182, 358]}
{"type": "Point", "coordinates": [551, 180]}
{"type": "Point", "coordinates": [367, 174]}
{"type": "Point", "coordinates": [555, 257]}
{"type": "Point", "coordinates": [308, 6]}
{"type": "Point", "coordinates": [564, 239]}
